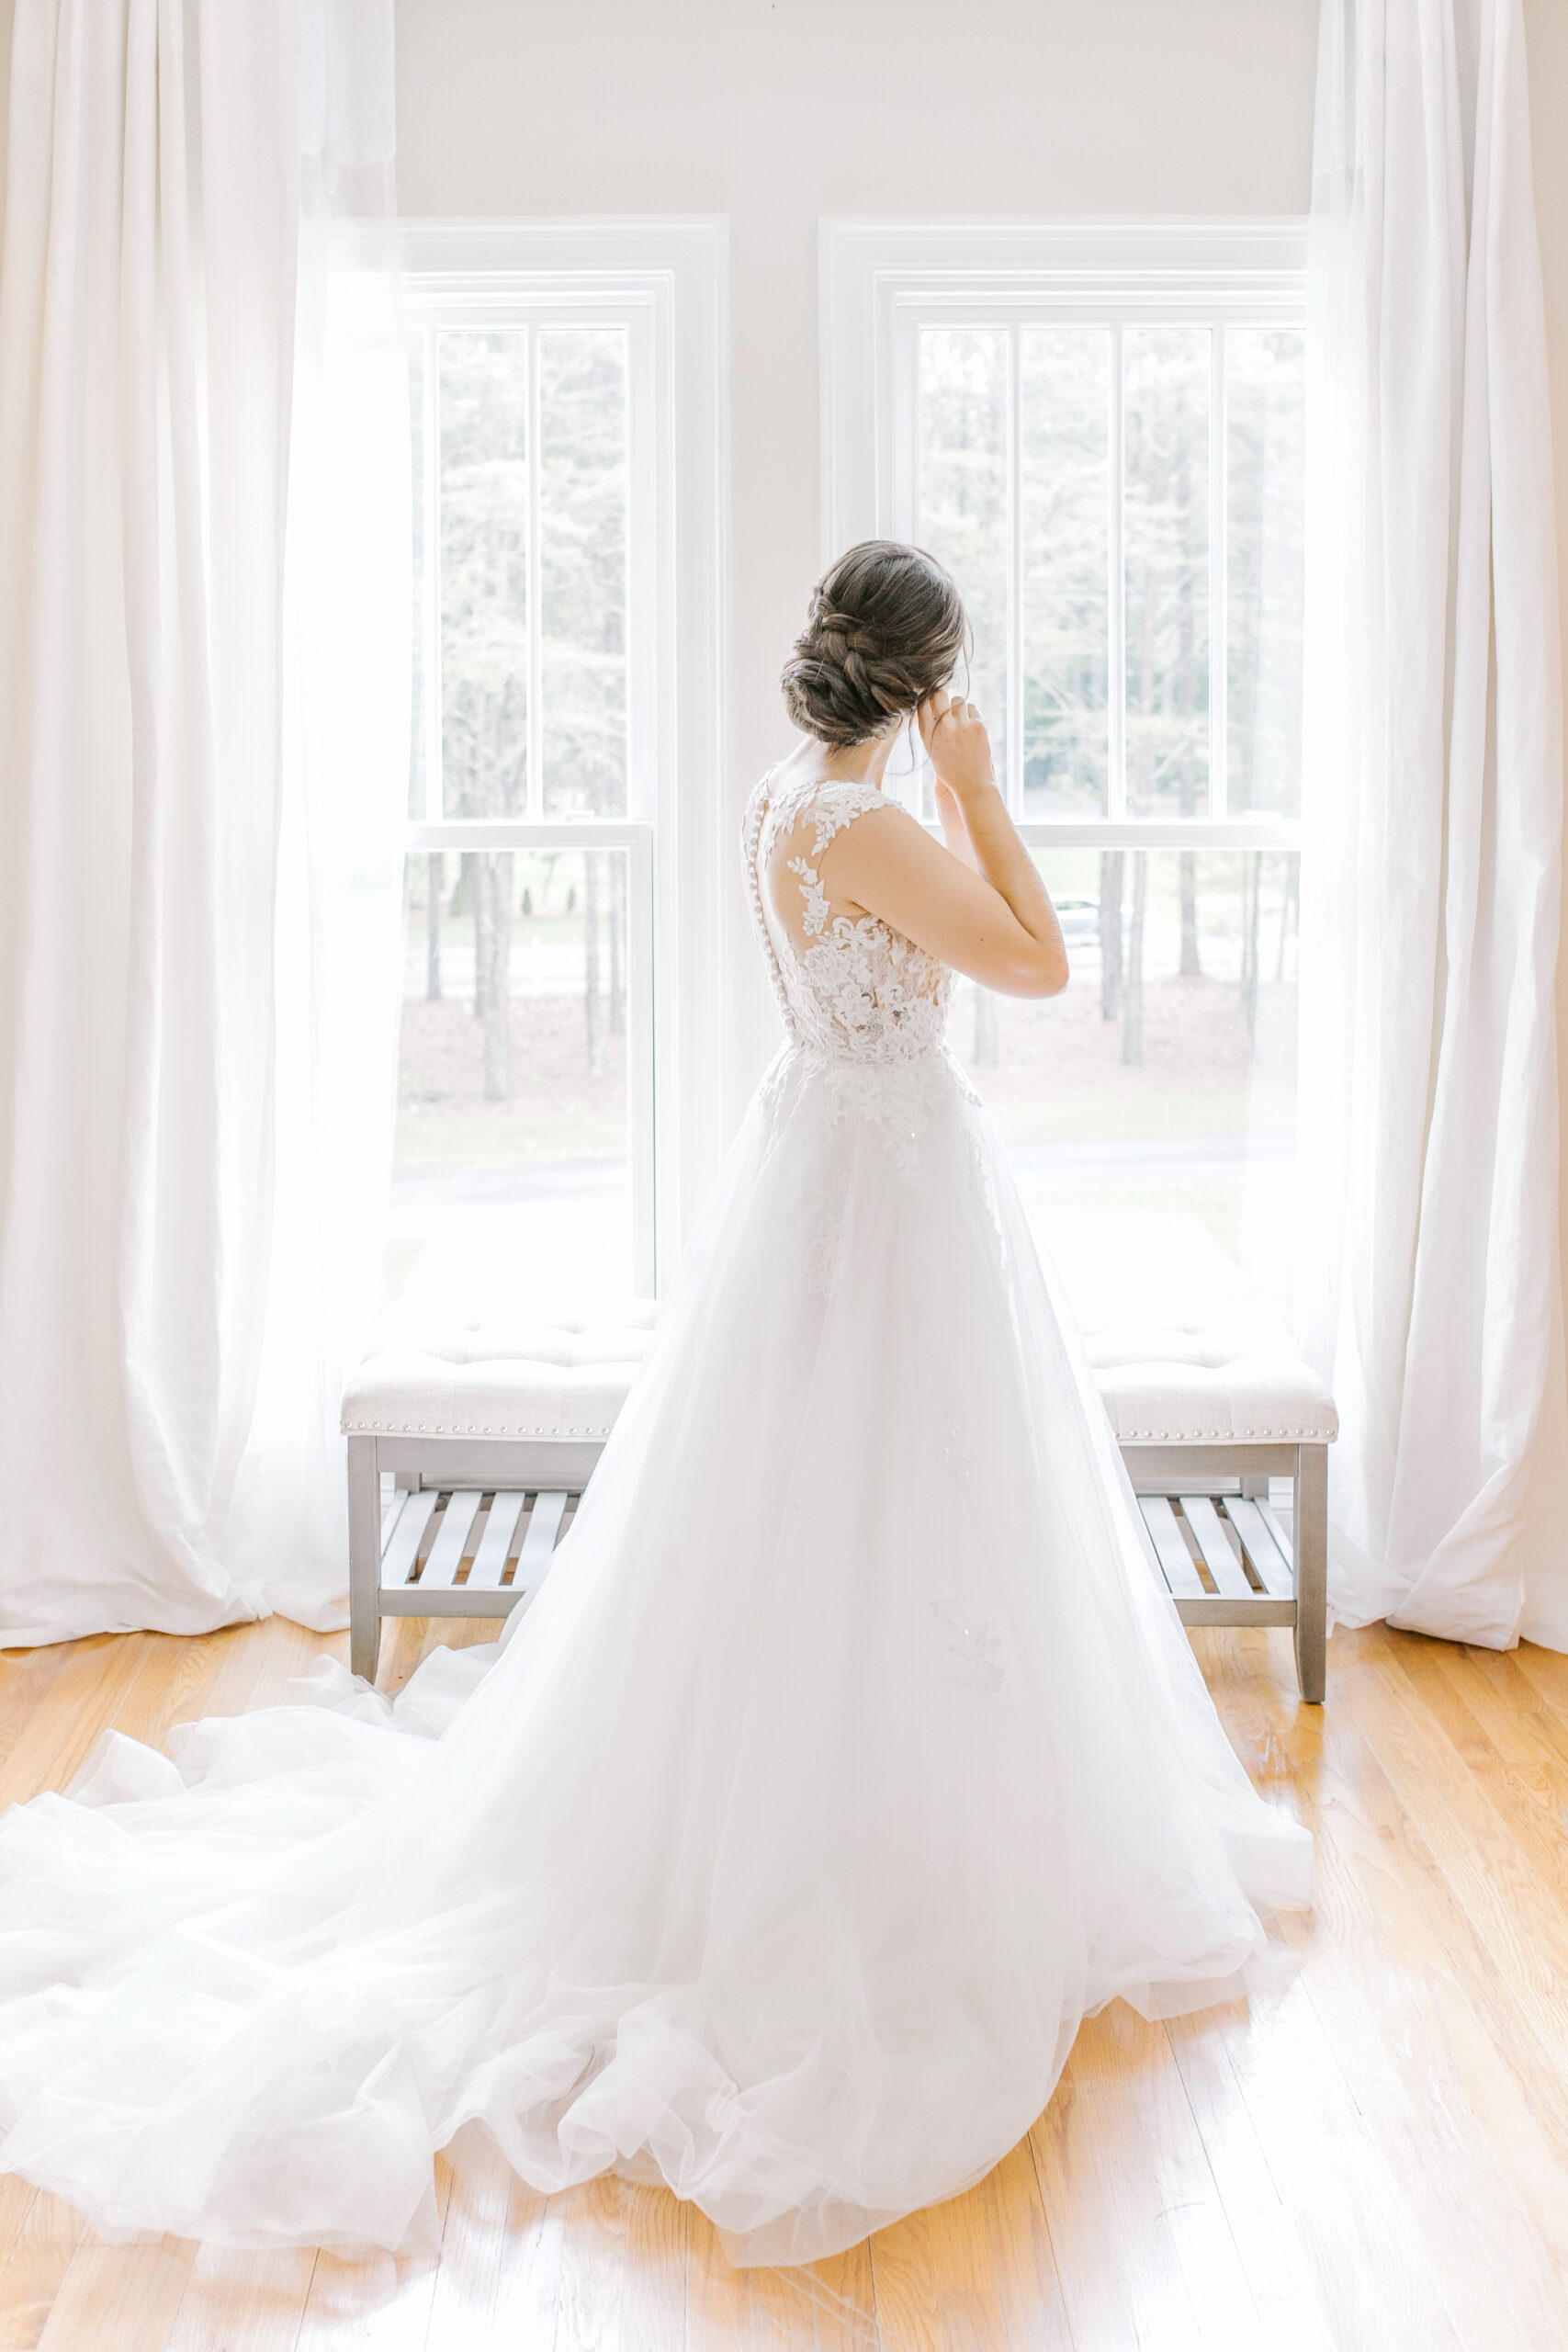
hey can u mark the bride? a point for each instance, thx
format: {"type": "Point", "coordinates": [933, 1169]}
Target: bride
{"type": "Point", "coordinates": [852, 1753]}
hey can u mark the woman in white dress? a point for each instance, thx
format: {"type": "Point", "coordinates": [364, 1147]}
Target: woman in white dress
{"type": "Point", "coordinates": [852, 1753]}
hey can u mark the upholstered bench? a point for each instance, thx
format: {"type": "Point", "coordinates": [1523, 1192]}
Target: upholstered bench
{"type": "Point", "coordinates": [1207, 1410]}
{"type": "Point", "coordinates": [490, 1433]}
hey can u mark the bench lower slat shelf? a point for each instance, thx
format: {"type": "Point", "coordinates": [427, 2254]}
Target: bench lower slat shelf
{"type": "Point", "coordinates": [1248, 1555]}
{"type": "Point", "coordinates": [447, 1601]}
{"type": "Point", "coordinates": [1177, 1565]}
{"type": "Point", "coordinates": [428, 1533]}
{"type": "Point", "coordinates": [1215, 1609]}
{"type": "Point", "coordinates": [501, 1505]}
{"type": "Point", "coordinates": [1219, 1556]}
{"type": "Point", "coordinates": [1269, 1557]}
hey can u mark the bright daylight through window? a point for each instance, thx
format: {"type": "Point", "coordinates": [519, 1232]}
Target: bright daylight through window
{"type": "Point", "coordinates": [1121, 500]}
{"type": "Point", "coordinates": [525, 1066]}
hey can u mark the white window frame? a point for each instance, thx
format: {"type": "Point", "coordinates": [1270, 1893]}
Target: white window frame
{"type": "Point", "coordinates": [883, 281]}
{"type": "Point", "coordinates": [665, 281]}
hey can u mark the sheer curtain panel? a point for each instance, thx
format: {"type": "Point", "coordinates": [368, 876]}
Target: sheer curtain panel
{"type": "Point", "coordinates": [153, 831]}
{"type": "Point", "coordinates": [1429, 1097]}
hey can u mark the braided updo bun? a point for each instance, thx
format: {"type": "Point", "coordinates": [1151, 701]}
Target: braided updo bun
{"type": "Point", "coordinates": [885, 629]}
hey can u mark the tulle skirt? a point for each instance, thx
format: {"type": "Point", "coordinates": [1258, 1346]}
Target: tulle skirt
{"type": "Point", "coordinates": [851, 1754]}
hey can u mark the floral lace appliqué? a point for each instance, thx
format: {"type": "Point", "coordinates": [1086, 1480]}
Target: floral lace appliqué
{"type": "Point", "coordinates": [972, 1650]}
{"type": "Point", "coordinates": [815, 920]}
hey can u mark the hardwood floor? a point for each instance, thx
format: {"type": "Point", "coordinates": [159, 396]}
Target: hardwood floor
{"type": "Point", "coordinates": [1376, 2157]}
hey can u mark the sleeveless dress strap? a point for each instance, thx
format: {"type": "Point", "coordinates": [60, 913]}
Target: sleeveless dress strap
{"type": "Point", "coordinates": [838, 804]}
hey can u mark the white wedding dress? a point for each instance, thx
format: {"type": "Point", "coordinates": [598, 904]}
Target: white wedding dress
{"type": "Point", "coordinates": [852, 1753]}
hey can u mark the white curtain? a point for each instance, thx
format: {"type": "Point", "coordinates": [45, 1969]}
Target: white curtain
{"type": "Point", "coordinates": [193, 839]}
{"type": "Point", "coordinates": [1429, 1147]}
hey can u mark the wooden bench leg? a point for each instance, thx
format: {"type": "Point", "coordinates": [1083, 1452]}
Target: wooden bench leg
{"type": "Point", "coordinates": [364, 1556]}
{"type": "Point", "coordinates": [1310, 1546]}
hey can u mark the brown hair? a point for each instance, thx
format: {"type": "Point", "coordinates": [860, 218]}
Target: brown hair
{"type": "Point", "coordinates": [885, 629]}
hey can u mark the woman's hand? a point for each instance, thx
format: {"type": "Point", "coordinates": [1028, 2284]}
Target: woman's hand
{"type": "Point", "coordinates": [956, 742]}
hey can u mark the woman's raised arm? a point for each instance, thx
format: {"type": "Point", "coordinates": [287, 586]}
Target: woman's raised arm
{"type": "Point", "coordinates": [989, 915]}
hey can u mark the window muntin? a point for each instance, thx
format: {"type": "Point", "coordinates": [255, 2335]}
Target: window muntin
{"type": "Point", "coordinates": [525, 1157]}
{"type": "Point", "coordinates": [1109, 452]}
{"type": "Point", "coordinates": [1264, 574]}
{"type": "Point", "coordinates": [1121, 503]}
{"type": "Point", "coordinates": [1065, 527]}
{"type": "Point", "coordinates": [522, 439]}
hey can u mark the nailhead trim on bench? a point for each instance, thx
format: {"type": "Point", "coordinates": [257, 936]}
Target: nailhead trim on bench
{"type": "Point", "coordinates": [1230, 1437]}
{"type": "Point", "coordinates": [469, 1428]}
{"type": "Point", "coordinates": [602, 1430]}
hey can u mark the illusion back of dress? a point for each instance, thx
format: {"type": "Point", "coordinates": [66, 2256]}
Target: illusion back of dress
{"type": "Point", "coordinates": [849, 985]}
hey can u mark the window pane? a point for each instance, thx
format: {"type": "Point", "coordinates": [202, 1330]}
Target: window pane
{"type": "Point", "coordinates": [963, 497]}
{"type": "Point", "coordinates": [417, 707]}
{"type": "Point", "coordinates": [1149, 1111]}
{"type": "Point", "coordinates": [1166, 556]}
{"type": "Point", "coordinates": [582, 556]}
{"type": "Point", "coordinates": [1264, 399]}
{"type": "Point", "coordinates": [512, 1173]}
{"type": "Point", "coordinates": [484, 568]}
{"type": "Point", "coordinates": [1065, 527]}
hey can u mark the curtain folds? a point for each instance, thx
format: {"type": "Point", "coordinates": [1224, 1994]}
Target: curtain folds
{"type": "Point", "coordinates": [171, 857]}
{"type": "Point", "coordinates": [1428, 1152]}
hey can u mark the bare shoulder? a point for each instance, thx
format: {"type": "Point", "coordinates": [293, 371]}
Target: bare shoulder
{"type": "Point", "coordinates": [885, 836]}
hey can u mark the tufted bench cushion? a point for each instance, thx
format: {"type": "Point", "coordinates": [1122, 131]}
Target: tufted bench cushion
{"type": "Point", "coordinates": [565, 1378]}
{"type": "Point", "coordinates": [1229, 1374]}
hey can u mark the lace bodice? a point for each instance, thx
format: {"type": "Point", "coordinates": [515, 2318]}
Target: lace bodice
{"type": "Point", "coordinates": [853, 988]}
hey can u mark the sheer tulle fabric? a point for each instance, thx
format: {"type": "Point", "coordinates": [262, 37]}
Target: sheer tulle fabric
{"type": "Point", "coordinates": [851, 1753]}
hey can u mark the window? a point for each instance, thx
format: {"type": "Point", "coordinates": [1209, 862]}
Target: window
{"type": "Point", "coordinates": [1098, 429]}
{"type": "Point", "coordinates": [559, 627]}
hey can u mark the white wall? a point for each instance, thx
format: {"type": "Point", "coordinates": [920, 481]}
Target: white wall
{"type": "Point", "coordinates": [775, 111]}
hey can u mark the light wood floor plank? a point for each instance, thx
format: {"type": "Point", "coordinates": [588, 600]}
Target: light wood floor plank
{"type": "Point", "coordinates": [1124, 2140]}
{"type": "Point", "coordinates": [908, 2318]}
{"type": "Point", "coordinates": [238, 2300]}
{"type": "Point", "coordinates": [382, 2304]}
{"type": "Point", "coordinates": [966, 2286]}
{"type": "Point", "coordinates": [653, 2284]}
{"type": "Point", "coordinates": [500, 2277]}
{"type": "Point", "coordinates": [822, 2306]}
{"type": "Point", "coordinates": [1370, 2263]}
{"type": "Point", "coordinates": [178, 1680]}
{"type": "Point", "coordinates": [592, 2253]}
{"type": "Point", "coordinates": [127, 2297]}
{"type": "Point", "coordinates": [1547, 1670]}
{"type": "Point", "coordinates": [30, 2277]}
{"type": "Point", "coordinates": [1017, 2233]}
{"type": "Point", "coordinates": [15, 2198]}
{"type": "Point", "coordinates": [1268, 2241]}
{"type": "Point", "coordinates": [843, 2302]}
{"type": "Point", "coordinates": [1521, 1911]}
{"type": "Point", "coordinates": [83, 1699]}
{"type": "Point", "coordinates": [1390, 2039]}
{"type": "Point", "coordinates": [27, 1679]}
